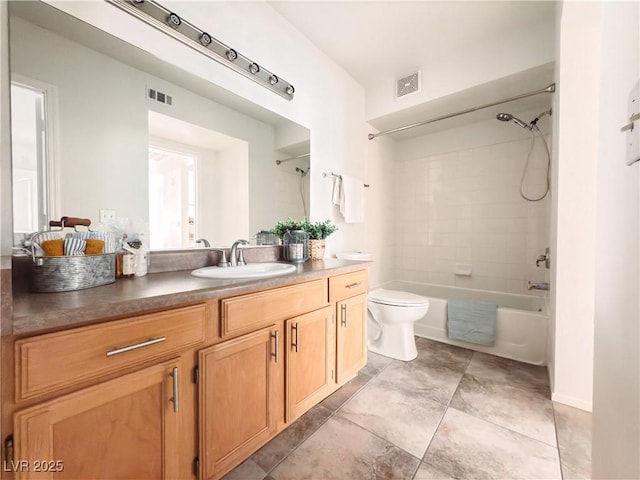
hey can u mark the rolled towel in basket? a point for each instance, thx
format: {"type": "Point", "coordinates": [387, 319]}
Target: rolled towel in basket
{"type": "Point", "coordinates": [108, 238]}
{"type": "Point", "coordinates": [94, 246]}
{"type": "Point", "coordinates": [53, 248]}
{"type": "Point", "coordinates": [74, 246]}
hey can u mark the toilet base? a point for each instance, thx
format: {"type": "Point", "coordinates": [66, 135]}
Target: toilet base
{"type": "Point", "coordinates": [397, 342]}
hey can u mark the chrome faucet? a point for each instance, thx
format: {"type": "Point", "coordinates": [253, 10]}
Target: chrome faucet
{"type": "Point", "coordinates": [237, 259]}
{"type": "Point", "coordinates": [537, 286]}
{"type": "Point", "coordinates": [204, 241]}
{"type": "Point", "coordinates": [544, 258]}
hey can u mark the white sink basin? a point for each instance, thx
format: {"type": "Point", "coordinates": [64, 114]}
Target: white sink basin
{"type": "Point", "coordinates": [251, 271]}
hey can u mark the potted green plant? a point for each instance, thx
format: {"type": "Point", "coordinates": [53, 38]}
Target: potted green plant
{"type": "Point", "coordinates": [318, 232]}
{"type": "Point", "coordinates": [281, 228]}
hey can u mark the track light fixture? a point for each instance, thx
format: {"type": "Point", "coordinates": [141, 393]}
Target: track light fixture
{"type": "Point", "coordinates": [154, 14]}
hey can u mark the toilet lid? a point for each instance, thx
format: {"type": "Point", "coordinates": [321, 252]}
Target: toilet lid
{"type": "Point", "coordinates": [397, 298]}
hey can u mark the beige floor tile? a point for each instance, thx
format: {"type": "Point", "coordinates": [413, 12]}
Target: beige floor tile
{"type": "Point", "coordinates": [429, 472]}
{"type": "Point", "coordinates": [397, 414]}
{"type": "Point", "coordinates": [334, 401]}
{"type": "Point", "coordinates": [468, 447]}
{"type": "Point", "coordinates": [247, 470]}
{"type": "Point", "coordinates": [284, 443]}
{"type": "Point", "coordinates": [442, 355]}
{"type": "Point", "coordinates": [434, 381]}
{"type": "Point", "coordinates": [521, 410]}
{"type": "Point", "coordinates": [517, 374]}
{"type": "Point", "coordinates": [574, 441]}
{"type": "Point", "coordinates": [341, 450]}
{"type": "Point", "coordinates": [375, 364]}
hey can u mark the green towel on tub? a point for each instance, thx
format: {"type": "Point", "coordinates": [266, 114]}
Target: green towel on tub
{"type": "Point", "coordinates": [471, 321]}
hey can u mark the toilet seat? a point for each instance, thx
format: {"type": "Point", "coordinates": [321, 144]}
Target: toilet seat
{"type": "Point", "coordinates": [396, 298]}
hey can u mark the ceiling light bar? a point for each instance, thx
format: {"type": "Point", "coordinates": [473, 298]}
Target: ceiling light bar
{"type": "Point", "coordinates": [172, 24]}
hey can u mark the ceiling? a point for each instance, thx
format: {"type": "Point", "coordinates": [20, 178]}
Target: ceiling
{"type": "Point", "coordinates": [374, 39]}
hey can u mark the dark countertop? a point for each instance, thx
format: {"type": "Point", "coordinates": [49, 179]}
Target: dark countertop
{"type": "Point", "coordinates": [35, 313]}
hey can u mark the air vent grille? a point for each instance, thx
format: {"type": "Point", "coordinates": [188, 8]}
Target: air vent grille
{"type": "Point", "coordinates": [407, 85]}
{"type": "Point", "coordinates": [159, 96]}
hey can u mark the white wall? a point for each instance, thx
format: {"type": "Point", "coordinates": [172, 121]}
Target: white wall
{"type": "Point", "coordinates": [327, 100]}
{"type": "Point", "coordinates": [380, 222]}
{"type": "Point", "coordinates": [616, 397]}
{"type": "Point", "coordinates": [458, 202]}
{"type": "Point", "coordinates": [485, 61]}
{"type": "Point", "coordinates": [573, 258]}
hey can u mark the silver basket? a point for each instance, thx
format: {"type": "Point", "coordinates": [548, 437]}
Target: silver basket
{"type": "Point", "coordinates": [69, 272]}
{"type": "Point", "coordinates": [63, 274]}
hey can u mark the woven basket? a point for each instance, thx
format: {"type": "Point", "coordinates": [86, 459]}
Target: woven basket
{"type": "Point", "coordinates": [316, 249]}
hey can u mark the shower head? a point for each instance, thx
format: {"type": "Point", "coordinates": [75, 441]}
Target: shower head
{"type": "Point", "coordinates": [507, 117]}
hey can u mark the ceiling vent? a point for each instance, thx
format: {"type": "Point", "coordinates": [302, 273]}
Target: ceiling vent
{"type": "Point", "coordinates": [158, 96]}
{"type": "Point", "coordinates": [409, 84]}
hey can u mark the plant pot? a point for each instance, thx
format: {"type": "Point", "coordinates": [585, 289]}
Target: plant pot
{"type": "Point", "coordinates": [316, 249]}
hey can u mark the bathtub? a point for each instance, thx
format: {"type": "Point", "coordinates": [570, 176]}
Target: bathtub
{"type": "Point", "coordinates": [521, 325]}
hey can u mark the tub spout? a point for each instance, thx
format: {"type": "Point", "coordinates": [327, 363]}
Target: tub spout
{"type": "Point", "coordinates": [537, 286]}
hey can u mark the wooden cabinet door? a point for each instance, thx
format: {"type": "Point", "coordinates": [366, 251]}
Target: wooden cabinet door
{"type": "Point", "coordinates": [352, 337]}
{"type": "Point", "coordinates": [310, 355]}
{"type": "Point", "coordinates": [123, 428]}
{"type": "Point", "coordinates": [238, 397]}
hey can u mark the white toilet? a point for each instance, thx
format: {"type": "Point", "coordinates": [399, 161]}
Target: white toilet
{"type": "Point", "coordinates": [391, 317]}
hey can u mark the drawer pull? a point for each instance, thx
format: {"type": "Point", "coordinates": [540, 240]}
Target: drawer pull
{"type": "Point", "coordinates": [174, 399]}
{"type": "Point", "coordinates": [276, 336]}
{"type": "Point", "coordinates": [295, 344]}
{"type": "Point", "coordinates": [135, 346]}
{"type": "Point", "coordinates": [344, 315]}
{"type": "Point", "coordinates": [353, 285]}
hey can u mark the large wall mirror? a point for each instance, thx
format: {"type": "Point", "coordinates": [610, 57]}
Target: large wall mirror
{"type": "Point", "coordinates": [102, 128]}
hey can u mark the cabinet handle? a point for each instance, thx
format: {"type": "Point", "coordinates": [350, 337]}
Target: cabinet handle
{"type": "Point", "coordinates": [343, 320]}
{"type": "Point", "coordinates": [354, 285]}
{"type": "Point", "coordinates": [174, 399]}
{"type": "Point", "coordinates": [295, 344]}
{"type": "Point", "coordinates": [128, 348]}
{"type": "Point", "coordinates": [276, 336]}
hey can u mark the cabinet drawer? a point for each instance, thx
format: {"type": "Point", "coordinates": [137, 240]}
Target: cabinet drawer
{"type": "Point", "coordinates": [251, 312]}
{"type": "Point", "coordinates": [347, 285]}
{"type": "Point", "coordinates": [51, 362]}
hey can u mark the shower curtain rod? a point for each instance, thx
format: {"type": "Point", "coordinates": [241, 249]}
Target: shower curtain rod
{"type": "Point", "coordinates": [550, 89]}
{"type": "Point", "coordinates": [278, 162]}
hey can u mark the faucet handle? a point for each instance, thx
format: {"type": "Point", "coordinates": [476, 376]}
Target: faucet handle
{"type": "Point", "coordinates": [223, 260]}
{"type": "Point", "coordinates": [241, 257]}
{"type": "Point", "coordinates": [544, 258]}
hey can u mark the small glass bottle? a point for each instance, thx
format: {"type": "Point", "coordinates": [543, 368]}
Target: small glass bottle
{"type": "Point", "coordinates": [296, 246]}
{"type": "Point", "coordinates": [125, 260]}
{"type": "Point", "coordinates": [142, 258]}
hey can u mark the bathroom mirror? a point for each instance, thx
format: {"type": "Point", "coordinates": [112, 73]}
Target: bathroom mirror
{"type": "Point", "coordinates": [102, 129]}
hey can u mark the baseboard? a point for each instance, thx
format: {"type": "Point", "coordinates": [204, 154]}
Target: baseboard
{"type": "Point", "coordinates": [572, 401]}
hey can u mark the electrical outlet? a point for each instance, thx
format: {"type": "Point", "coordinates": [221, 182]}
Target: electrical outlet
{"type": "Point", "coordinates": [107, 215]}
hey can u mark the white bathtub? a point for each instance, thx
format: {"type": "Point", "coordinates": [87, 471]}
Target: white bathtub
{"type": "Point", "coordinates": [521, 325]}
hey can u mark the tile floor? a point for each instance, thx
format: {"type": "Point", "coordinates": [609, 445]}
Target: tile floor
{"type": "Point", "coordinates": [450, 413]}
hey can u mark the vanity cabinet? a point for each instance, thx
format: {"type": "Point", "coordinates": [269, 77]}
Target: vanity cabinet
{"type": "Point", "coordinates": [352, 337]}
{"type": "Point", "coordinates": [310, 356]}
{"type": "Point", "coordinates": [281, 352]}
{"type": "Point", "coordinates": [189, 392]}
{"type": "Point", "coordinates": [238, 398]}
{"type": "Point", "coordinates": [129, 427]}
{"type": "Point", "coordinates": [348, 291]}
{"type": "Point", "coordinates": [111, 400]}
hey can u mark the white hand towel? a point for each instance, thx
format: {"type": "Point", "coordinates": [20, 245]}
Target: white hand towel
{"type": "Point", "coordinates": [352, 204]}
{"type": "Point", "coordinates": [337, 195]}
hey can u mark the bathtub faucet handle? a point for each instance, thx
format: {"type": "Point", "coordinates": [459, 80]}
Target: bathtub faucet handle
{"type": "Point", "coordinates": [544, 258]}
{"type": "Point", "coordinates": [537, 285]}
